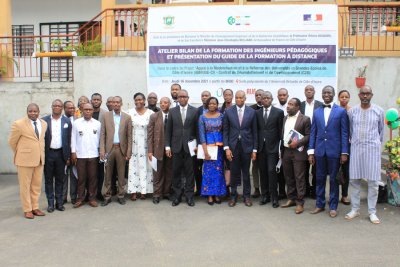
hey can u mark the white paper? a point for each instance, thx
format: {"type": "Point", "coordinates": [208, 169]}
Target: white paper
{"type": "Point", "coordinates": [75, 172]}
{"type": "Point", "coordinates": [153, 163]}
{"type": "Point", "coordinates": [192, 147]}
{"type": "Point", "coordinates": [212, 151]}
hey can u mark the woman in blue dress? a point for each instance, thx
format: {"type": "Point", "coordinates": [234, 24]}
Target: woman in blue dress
{"type": "Point", "coordinates": [210, 133]}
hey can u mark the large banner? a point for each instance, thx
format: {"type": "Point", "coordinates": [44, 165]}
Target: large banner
{"type": "Point", "coordinates": [242, 47]}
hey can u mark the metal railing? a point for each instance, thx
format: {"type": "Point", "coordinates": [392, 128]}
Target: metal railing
{"type": "Point", "coordinates": [117, 30]}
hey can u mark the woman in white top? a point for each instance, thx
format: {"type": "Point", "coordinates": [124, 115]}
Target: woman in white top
{"type": "Point", "coordinates": [140, 178]}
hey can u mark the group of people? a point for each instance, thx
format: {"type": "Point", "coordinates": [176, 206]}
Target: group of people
{"type": "Point", "coordinates": [94, 150]}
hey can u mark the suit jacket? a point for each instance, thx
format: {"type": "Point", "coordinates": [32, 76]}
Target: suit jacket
{"type": "Point", "coordinates": [317, 104]}
{"type": "Point", "coordinates": [178, 135]}
{"type": "Point", "coordinates": [270, 131]}
{"type": "Point", "coordinates": [28, 149]}
{"type": "Point", "coordinates": [101, 114]}
{"type": "Point", "coordinates": [124, 133]}
{"type": "Point", "coordinates": [303, 126]}
{"type": "Point", "coordinates": [66, 129]}
{"type": "Point", "coordinates": [331, 140]}
{"type": "Point", "coordinates": [155, 135]}
{"type": "Point", "coordinates": [256, 107]}
{"type": "Point", "coordinates": [247, 131]}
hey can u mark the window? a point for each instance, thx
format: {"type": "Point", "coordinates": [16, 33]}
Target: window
{"type": "Point", "coordinates": [22, 47]}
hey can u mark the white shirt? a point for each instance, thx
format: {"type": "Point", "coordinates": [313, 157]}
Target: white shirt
{"type": "Point", "coordinates": [56, 141]}
{"type": "Point", "coordinates": [327, 112]}
{"type": "Point", "coordinates": [38, 125]}
{"type": "Point", "coordinates": [85, 140]}
{"type": "Point", "coordinates": [289, 125]}
{"type": "Point", "coordinates": [282, 107]}
{"type": "Point", "coordinates": [309, 109]}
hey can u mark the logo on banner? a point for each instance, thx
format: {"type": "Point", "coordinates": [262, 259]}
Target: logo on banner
{"type": "Point", "coordinates": [239, 20]}
{"type": "Point", "coordinates": [312, 19]}
{"type": "Point", "coordinates": [169, 21]}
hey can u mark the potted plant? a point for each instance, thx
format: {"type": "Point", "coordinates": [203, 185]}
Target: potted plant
{"type": "Point", "coordinates": [361, 79]}
{"type": "Point", "coordinates": [391, 26]}
{"type": "Point", "coordinates": [6, 61]}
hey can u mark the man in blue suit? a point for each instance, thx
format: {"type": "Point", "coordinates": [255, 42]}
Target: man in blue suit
{"type": "Point", "coordinates": [240, 144]}
{"type": "Point", "coordinates": [328, 148]}
{"type": "Point", "coordinates": [57, 154]}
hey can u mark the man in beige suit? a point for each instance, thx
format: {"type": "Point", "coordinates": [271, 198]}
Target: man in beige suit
{"type": "Point", "coordinates": [27, 142]}
{"type": "Point", "coordinates": [155, 143]}
{"type": "Point", "coordinates": [115, 148]}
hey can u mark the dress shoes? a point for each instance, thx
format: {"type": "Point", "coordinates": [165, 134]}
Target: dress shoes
{"type": "Point", "coordinates": [264, 200]}
{"type": "Point", "coordinates": [345, 201]}
{"type": "Point", "coordinates": [121, 201]}
{"type": "Point", "coordinates": [38, 212]}
{"type": "Point", "coordinates": [105, 202]}
{"type": "Point", "coordinates": [93, 204]}
{"type": "Point", "coordinates": [175, 202]}
{"type": "Point", "coordinates": [190, 202]}
{"type": "Point", "coordinates": [299, 209]}
{"type": "Point", "coordinates": [275, 204]}
{"type": "Point", "coordinates": [248, 203]}
{"type": "Point", "coordinates": [50, 209]}
{"type": "Point", "coordinates": [28, 215]}
{"type": "Point", "coordinates": [332, 213]}
{"type": "Point", "coordinates": [78, 204]}
{"type": "Point", "coordinates": [289, 203]}
{"type": "Point", "coordinates": [231, 203]}
{"type": "Point", "coordinates": [256, 193]}
{"type": "Point", "coordinates": [73, 201]}
{"type": "Point", "coordinates": [156, 200]}
{"type": "Point", "coordinates": [317, 210]}
{"type": "Point", "coordinates": [60, 207]}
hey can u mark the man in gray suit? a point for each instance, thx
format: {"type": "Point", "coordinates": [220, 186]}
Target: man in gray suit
{"type": "Point", "coordinates": [181, 128]}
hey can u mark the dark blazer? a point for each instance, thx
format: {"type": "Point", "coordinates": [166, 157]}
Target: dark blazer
{"type": "Point", "coordinates": [270, 131]}
{"type": "Point", "coordinates": [256, 107]}
{"type": "Point", "coordinates": [247, 131]}
{"type": "Point", "coordinates": [303, 126]}
{"type": "Point", "coordinates": [331, 140]}
{"type": "Point", "coordinates": [317, 104]}
{"type": "Point", "coordinates": [66, 129]}
{"type": "Point", "coordinates": [178, 135]}
{"type": "Point", "coordinates": [155, 135]}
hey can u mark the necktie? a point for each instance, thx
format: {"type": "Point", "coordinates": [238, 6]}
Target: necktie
{"type": "Point", "coordinates": [183, 114]}
{"type": "Point", "coordinates": [327, 106]}
{"type": "Point", "coordinates": [266, 116]}
{"type": "Point", "coordinates": [240, 116]}
{"type": "Point", "coordinates": [36, 129]}
{"type": "Point", "coordinates": [165, 121]}
{"type": "Point", "coordinates": [176, 103]}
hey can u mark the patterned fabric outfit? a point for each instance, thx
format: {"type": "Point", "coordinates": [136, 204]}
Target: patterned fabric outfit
{"type": "Point", "coordinates": [140, 178]}
{"type": "Point", "coordinates": [210, 131]}
{"type": "Point", "coordinates": [366, 131]}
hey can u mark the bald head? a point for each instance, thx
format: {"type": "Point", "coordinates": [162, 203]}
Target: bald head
{"type": "Point", "coordinates": [240, 98]}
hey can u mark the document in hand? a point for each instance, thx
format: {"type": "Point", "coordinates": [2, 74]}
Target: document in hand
{"type": "Point", "coordinates": [294, 135]}
{"type": "Point", "coordinates": [153, 163]}
{"type": "Point", "coordinates": [192, 144]}
{"type": "Point", "coordinates": [212, 151]}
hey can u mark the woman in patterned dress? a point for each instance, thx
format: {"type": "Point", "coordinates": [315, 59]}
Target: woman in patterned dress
{"type": "Point", "coordinates": [210, 133]}
{"type": "Point", "coordinates": [140, 178]}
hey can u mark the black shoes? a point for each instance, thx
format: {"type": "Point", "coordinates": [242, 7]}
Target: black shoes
{"type": "Point", "coordinates": [175, 202]}
{"type": "Point", "coordinates": [60, 207]}
{"type": "Point", "coordinates": [105, 202]}
{"type": "Point", "coordinates": [50, 208]}
{"type": "Point", "coordinates": [190, 202]}
{"type": "Point", "coordinates": [264, 200]}
{"type": "Point", "coordinates": [156, 200]}
{"type": "Point", "coordinates": [275, 203]}
{"type": "Point", "coordinates": [256, 193]}
{"type": "Point", "coordinates": [122, 201]}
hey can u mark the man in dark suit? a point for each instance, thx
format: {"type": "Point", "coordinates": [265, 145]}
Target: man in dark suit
{"type": "Point", "coordinates": [255, 170]}
{"type": "Point", "coordinates": [69, 177]}
{"type": "Point", "coordinates": [156, 148]}
{"type": "Point", "coordinates": [240, 145]}
{"type": "Point", "coordinates": [269, 125]}
{"type": "Point", "coordinates": [307, 108]}
{"type": "Point", "coordinates": [329, 147]}
{"type": "Point", "coordinates": [57, 154]}
{"type": "Point", "coordinates": [181, 128]}
{"type": "Point", "coordinates": [294, 154]}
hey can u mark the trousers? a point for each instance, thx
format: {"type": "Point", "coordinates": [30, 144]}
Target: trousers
{"type": "Point", "coordinates": [372, 195]}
